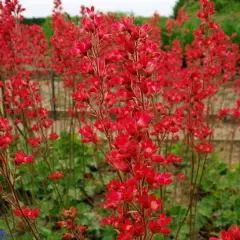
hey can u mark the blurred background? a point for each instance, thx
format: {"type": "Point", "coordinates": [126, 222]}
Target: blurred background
{"type": "Point", "coordinates": [39, 12]}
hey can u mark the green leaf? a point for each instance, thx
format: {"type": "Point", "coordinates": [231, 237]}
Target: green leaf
{"type": "Point", "coordinates": [237, 209]}
{"type": "Point", "coordinates": [45, 232]}
{"type": "Point", "coordinates": [83, 208]}
{"type": "Point", "coordinates": [75, 194]}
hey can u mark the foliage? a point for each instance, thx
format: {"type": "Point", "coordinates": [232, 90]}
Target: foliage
{"type": "Point", "coordinates": [47, 28]}
{"type": "Point", "coordinates": [226, 7]}
{"type": "Point", "coordinates": [31, 21]}
{"type": "Point", "coordinates": [222, 208]}
{"type": "Point", "coordinates": [218, 203]}
{"type": "Point", "coordinates": [177, 6]}
{"type": "Point", "coordinates": [79, 189]}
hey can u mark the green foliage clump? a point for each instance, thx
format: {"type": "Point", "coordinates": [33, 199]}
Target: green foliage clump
{"type": "Point", "coordinates": [218, 202]}
{"type": "Point", "coordinates": [83, 186]}
{"type": "Point", "coordinates": [177, 6]}
{"type": "Point", "coordinates": [47, 28]}
{"type": "Point", "coordinates": [31, 21]}
{"type": "Point", "coordinates": [228, 7]}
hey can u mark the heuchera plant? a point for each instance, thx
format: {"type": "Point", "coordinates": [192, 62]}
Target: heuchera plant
{"type": "Point", "coordinates": [24, 50]}
{"type": "Point", "coordinates": [132, 99]}
{"type": "Point", "coordinates": [139, 98]}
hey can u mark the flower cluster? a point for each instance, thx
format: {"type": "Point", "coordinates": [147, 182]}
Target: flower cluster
{"type": "Point", "coordinates": [21, 158]}
{"type": "Point", "coordinates": [23, 48]}
{"type": "Point", "coordinates": [56, 175]}
{"type": "Point", "coordinates": [68, 223]}
{"type": "Point", "coordinates": [5, 133]}
{"type": "Point", "coordinates": [31, 213]}
{"type": "Point", "coordinates": [233, 233]}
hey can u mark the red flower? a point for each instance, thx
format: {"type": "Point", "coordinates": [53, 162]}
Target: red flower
{"type": "Point", "coordinates": [125, 236]}
{"type": "Point", "coordinates": [61, 223]}
{"type": "Point", "coordinates": [34, 142]}
{"type": "Point", "coordinates": [172, 158]}
{"type": "Point", "coordinates": [88, 134]}
{"type": "Point", "coordinates": [4, 125]}
{"type": "Point", "coordinates": [154, 203]}
{"type": "Point", "coordinates": [143, 119]}
{"type": "Point", "coordinates": [181, 176]}
{"type": "Point", "coordinates": [82, 229]}
{"type": "Point", "coordinates": [5, 140]}
{"type": "Point", "coordinates": [235, 231]}
{"type": "Point", "coordinates": [56, 175]}
{"type": "Point", "coordinates": [204, 148]}
{"type": "Point", "coordinates": [160, 224]}
{"type": "Point", "coordinates": [148, 148]}
{"type": "Point", "coordinates": [158, 159]}
{"type": "Point", "coordinates": [164, 178]}
{"type": "Point", "coordinates": [21, 158]}
{"type": "Point", "coordinates": [163, 220]}
{"type": "Point", "coordinates": [18, 212]}
{"type": "Point", "coordinates": [80, 96]}
{"type": "Point", "coordinates": [165, 230]}
{"type": "Point", "coordinates": [113, 199]}
{"type": "Point", "coordinates": [35, 127]}
{"type": "Point", "coordinates": [143, 199]}
{"type": "Point", "coordinates": [53, 136]}
{"type": "Point", "coordinates": [68, 236]}
{"type": "Point", "coordinates": [47, 123]}
{"type": "Point", "coordinates": [118, 161]}
{"type": "Point", "coordinates": [153, 226]}
{"type": "Point", "coordinates": [70, 213]}
{"type": "Point", "coordinates": [27, 212]}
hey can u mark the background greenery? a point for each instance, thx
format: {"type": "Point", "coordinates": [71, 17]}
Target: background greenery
{"type": "Point", "coordinates": [84, 185]}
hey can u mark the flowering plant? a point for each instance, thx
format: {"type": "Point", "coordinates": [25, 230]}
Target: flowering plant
{"type": "Point", "coordinates": [130, 98]}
